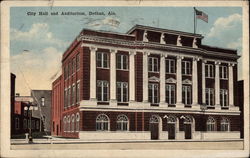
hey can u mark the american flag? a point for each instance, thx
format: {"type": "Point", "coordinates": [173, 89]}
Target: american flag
{"type": "Point", "coordinates": [201, 15]}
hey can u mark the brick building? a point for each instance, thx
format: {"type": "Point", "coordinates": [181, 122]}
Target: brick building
{"type": "Point", "coordinates": [149, 83]}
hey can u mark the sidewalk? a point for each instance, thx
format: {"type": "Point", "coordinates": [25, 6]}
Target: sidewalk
{"type": "Point", "coordinates": [75, 141]}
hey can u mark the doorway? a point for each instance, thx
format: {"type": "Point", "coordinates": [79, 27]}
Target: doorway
{"type": "Point", "coordinates": [154, 127]}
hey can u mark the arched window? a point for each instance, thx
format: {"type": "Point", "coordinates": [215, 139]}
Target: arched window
{"type": "Point", "coordinates": [77, 121]}
{"type": "Point", "coordinates": [65, 124]}
{"type": "Point", "coordinates": [154, 119]}
{"type": "Point", "coordinates": [225, 124]}
{"type": "Point", "coordinates": [102, 122]}
{"type": "Point", "coordinates": [188, 120]}
{"type": "Point", "coordinates": [68, 125]}
{"type": "Point", "coordinates": [171, 119]}
{"type": "Point", "coordinates": [211, 124]}
{"type": "Point", "coordinates": [72, 123]}
{"type": "Point", "coordinates": [122, 123]}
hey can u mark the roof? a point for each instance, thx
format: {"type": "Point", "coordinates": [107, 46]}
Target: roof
{"type": "Point", "coordinates": [150, 28]}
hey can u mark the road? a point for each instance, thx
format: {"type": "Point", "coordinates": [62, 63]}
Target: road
{"type": "Point", "coordinates": [222, 145]}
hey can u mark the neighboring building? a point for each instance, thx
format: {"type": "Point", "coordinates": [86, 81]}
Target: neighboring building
{"type": "Point", "coordinates": [149, 83]}
{"type": "Point", "coordinates": [21, 118]}
{"type": "Point", "coordinates": [42, 98]}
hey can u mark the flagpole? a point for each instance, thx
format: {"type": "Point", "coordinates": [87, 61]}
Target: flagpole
{"type": "Point", "coordinates": [194, 22]}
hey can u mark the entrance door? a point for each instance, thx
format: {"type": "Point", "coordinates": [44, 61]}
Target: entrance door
{"type": "Point", "coordinates": [188, 131]}
{"type": "Point", "coordinates": [171, 131]}
{"type": "Point", "coordinates": [154, 129]}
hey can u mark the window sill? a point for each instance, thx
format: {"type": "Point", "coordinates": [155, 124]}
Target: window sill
{"type": "Point", "coordinates": [154, 72]}
{"type": "Point", "coordinates": [224, 79]}
{"type": "Point", "coordinates": [209, 77]}
{"type": "Point", "coordinates": [122, 69]}
{"type": "Point", "coordinates": [187, 75]}
{"type": "Point", "coordinates": [170, 73]}
{"type": "Point", "coordinates": [105, 68]}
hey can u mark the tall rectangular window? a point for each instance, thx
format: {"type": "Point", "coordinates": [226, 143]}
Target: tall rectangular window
{"type": "Point", "coordinates": [153, 64]}
{"type": "Point", "coordinates": [186, 94]}
{"type": "Point", "coordinates": [69, 95]}
{"type": "Point", "coordinates": [186, 68]}
{"type": "Point", "coordinates": [209, 71]}
{"type": "Point", "coordinates": [73, 65]}
{"type": "Point", "coordinates": [65, 71]}
{"type": "Point", "coordinates": [223, 72]}
{"type": "Point", "coordinates": [24, 123]}
{"type": "Point", "coordinates": [210, 96]}
{"type": "Point", "coordinates": [102, 90]}
{"type": "Point", "coordinates": [77, 61]}
{"type": "Point", "coordinates": [122, 91]}
{"type": "Point", "coordinates": [102, 60]}
{"type": "Point", "coordinates": [65, 98]}
{"type": "Point", "coordinates": [153, 92]}
{"type": "Point", "coordinates": [69, 69]}
{"type": "Point", "coordinates": [78, 91]}
{"type": "Point", "coordinates": [170, 66]}
{"type": "Point", "coordinates": [170, 94]}
{"type": "Point", "coordinates": [122, 62]}
{"type": "Point", "coordinates": [73, 94]}
{"type": "Point", "coordinates": [224, 97]}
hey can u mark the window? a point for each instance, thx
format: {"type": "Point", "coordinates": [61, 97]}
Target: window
{"type": "Point", "coordinates": [153, 64]}
{"type": "Point", "coordinates": [70, 69]}
{"type": "Point", "coordinates": [68, 124]}
{"type": "Point", "coordinates": [66, 72]}
{"type": "Point", "coordinates": [170, 66]}
{"type": "Point", "coordinates": [170, 94]}
{"type": "Point", "coordinates": [77, 61]}
{"type": "Point", "coordinates": [186, 67]}
{"type": "Point", "coordinates": [122, 123]}
{"type": "Point", "coordinates": [24, 123]}
{"type": "Point", "coordinates": [102, 60]}
{"type": "Point", "coordinates": [122, 62]}
{"type": "Point", "coordinates": [186, 94]}
{"type": "Point", "coordinates": [153, 93]}
{"type": "Point", "coordinates": [78, 91]}
{"type": "Point", "coordinates": [122, 91]}
{"type": "Point", "coordinates": [73, 94]}
{"type": "Point", "coordinates": [224, 124]}
{"type": "Point", "coordinates": [223, 97]}
{"type": "Point", "coordinates": [29, 124]}
{"type": "Point", "coordinates": [65, 97]}
{"type": "Point", "coordinates": [73, 123]}
{"type": "Point", "coordinates": [64, 124]}
{"type": "Point", "coordinates": [102, 90]}
{"type": "Point", "coordinates": [223, 72]}
{"type": "Point", "coordinates": [210, 124]}
{"type": "Point", "coordinates": [102, 122]}
{"type": "Point", "coordinates": [209, 71]}
{"type": "Point", "coordinates": [77, 121]}
{"type": "Point", "coordinates": [73, 65]}
{"type": "Point", "coordinates": [69, 95]}
{"type": "Point", "coordinates": [43, 101]}
{"type": "Point", "coordinates": [210, 96]}
{"type": "Point", "coordinates": [17, 123]}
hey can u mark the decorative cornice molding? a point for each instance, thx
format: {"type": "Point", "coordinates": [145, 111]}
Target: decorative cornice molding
{"type": "Point", "coordinates": [170, 80]}
{"type": "Point", "coordinates": [186, 81]}
{"type": "Point", "coordinates": [154, 79]}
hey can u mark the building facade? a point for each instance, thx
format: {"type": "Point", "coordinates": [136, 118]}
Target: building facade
{"type": "Point", "coordinates": [148, 83]}
{"type": "Point", "coordinates": [42, 98]}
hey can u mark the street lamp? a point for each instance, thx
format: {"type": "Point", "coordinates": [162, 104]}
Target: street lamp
{"type": "Point", "coordinates": [30, 108]}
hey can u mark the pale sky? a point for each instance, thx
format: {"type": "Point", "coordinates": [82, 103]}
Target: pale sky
{"type": "Point", "coordinates": [37, 42]}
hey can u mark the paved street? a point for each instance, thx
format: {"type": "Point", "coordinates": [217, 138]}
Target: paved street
{"type": "Point", "coordinates": [222, 145]}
